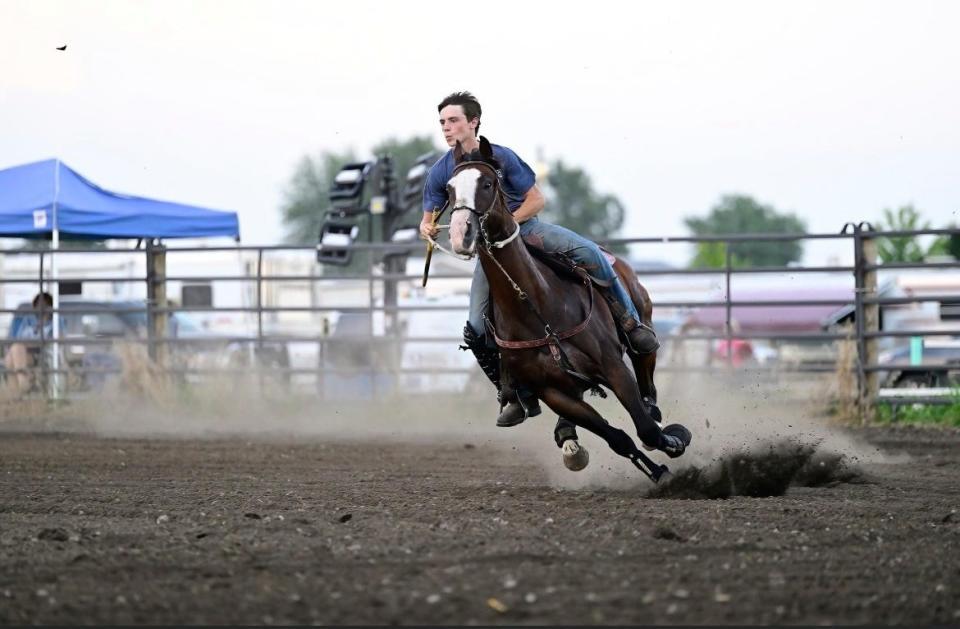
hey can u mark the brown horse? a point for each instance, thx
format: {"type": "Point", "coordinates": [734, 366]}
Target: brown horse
{"type": "Point", "coordinates": [555, 337]}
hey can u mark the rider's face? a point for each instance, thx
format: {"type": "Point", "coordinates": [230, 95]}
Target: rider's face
{"type": "Point", "coordinates": [455, 125]}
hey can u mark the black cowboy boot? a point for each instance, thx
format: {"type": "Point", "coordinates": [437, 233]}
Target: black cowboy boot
{"type": "Point", "coordinates": [512, 411]}
{"type": "Point", "coordinates": [641, 339]}
{"type": "Point", "coordinates": [517, 409]}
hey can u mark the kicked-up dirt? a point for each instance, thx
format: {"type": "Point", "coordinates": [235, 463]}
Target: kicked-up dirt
{"type": "Point", "coordinates": [302, 530]}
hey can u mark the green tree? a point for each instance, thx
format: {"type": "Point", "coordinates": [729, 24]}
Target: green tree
{"type": "Point", "coordinates": [404, 154]}
{"type": "Point", "coordinates": [953, 244]}
{"type": "Point", "coordinates": [574, 204]}
{"type": "Point", "coordinates": [901, 248]}
{"type": "Point", "coordinates": [909, 248]}
{"type": "Point", "coordinates": [741, 214]}
{"type": "Point", "coordinates": [947, 245]}
{"type": "Point", "coordinates": [711, 255]}
{"type": "Point", "coordinates": [306, 198]}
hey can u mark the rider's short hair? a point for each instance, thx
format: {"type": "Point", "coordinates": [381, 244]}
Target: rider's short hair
{"type": "Point", "coordinates": [470, 104]}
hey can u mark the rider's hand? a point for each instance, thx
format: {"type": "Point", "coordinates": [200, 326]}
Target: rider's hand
{"type": "Point", "coordinates": [427, 228]}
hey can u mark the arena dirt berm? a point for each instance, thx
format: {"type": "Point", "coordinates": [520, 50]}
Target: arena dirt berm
{"type": "Point", "coordinates": [417, 511]}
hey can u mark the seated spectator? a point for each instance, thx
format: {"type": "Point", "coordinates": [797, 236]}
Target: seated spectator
{"type": "Point", "coordinates": [22, 358]}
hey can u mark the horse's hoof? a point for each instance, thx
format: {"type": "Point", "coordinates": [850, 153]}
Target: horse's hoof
{"type": "Point", "coordinates": [676, 441]}
{"type": "Point", "coordinates": [662, 475]}
{"type": "Point", "coordinates": [678, 430]}
{"type": "Point", "coordinates": [575, 456]}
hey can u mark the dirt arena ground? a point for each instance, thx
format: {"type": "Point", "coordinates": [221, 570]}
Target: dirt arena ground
{"type": "Point", "coordinates": [131, 521]}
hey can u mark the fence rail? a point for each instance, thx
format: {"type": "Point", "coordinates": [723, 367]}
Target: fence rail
{"type": "Point", "coordinates": [379, 348]}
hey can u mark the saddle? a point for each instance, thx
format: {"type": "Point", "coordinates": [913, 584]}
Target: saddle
{"type": "Point", "coordinates": [566, 267]}
{"type": "Point", "coordinates": [562, 264]}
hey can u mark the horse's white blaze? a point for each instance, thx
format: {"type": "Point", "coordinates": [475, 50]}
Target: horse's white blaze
{"type": "Point", "coordinates": [464, 186]}
{"type": "Point", "coordinates": [459, 221]}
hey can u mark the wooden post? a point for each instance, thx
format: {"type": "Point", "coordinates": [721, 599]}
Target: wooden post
{"type": "Point", "coordinates": [157, 298]}
{"type": "Point", "coordinates": [867, 317]}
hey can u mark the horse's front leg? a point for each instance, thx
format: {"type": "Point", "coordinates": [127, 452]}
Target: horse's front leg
{"type": "Point", "coordinates": [575, 455]}
{"type": "Point", "coordinates": [644, 366]}
{"type": "Point", "coordinates": [583, 415]}
{"type": "Point", "coordinates": [672, 440]}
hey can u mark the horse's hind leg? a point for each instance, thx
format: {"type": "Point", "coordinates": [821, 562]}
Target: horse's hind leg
{"type": "Point", "coordinates": [583, 415]}
{"type": "Point", "coordinates": [643, 364]}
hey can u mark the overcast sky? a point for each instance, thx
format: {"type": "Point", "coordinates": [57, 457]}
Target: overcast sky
{"type": "Point", "coordinates": [833, 110]}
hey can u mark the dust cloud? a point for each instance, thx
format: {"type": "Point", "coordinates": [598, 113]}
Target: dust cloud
{"type": "Point", "coordinates": [773, 425]}
{"type": "Point", "coordinates": [753, 434]}
{"type": "Point", "coordinates": [248, 407]}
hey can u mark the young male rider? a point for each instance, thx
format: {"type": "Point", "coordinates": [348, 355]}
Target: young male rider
{"type": "Point", "coordinates": [460, 122]}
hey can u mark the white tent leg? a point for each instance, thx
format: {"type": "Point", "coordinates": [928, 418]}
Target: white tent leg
{"type": "Point", "coordinates": [54, 385]}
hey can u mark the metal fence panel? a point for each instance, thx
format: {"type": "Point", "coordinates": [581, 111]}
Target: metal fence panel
{"type": "Point", "coordinates": [377, 331]}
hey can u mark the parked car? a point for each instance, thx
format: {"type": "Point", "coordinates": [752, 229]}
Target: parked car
{"type": "Point", "coordinates": [86, 324]}
{"type": "Point", "coordinates": [935, 352]}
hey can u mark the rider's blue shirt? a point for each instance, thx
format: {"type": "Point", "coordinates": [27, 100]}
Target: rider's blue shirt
{"type": "Point", "coordinates": [516, 178]}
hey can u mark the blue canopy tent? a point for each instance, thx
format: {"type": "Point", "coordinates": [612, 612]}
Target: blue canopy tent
{"type": "Point", "coordinates": [50, 200]}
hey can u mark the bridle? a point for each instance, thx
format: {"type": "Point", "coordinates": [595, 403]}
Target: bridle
{"type": "Point", "coordinates": [482, 215]}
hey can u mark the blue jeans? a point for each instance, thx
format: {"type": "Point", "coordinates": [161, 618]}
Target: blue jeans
{"type": "Point", "coordinates": [555, 238]}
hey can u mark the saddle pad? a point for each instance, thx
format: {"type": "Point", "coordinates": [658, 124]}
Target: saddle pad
{"type": "Point", "coordinates": [561, 264]}
{"type": "Point", "coordinates": [536, 242]}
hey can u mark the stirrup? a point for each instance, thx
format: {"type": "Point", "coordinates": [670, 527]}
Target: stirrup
{"type": "Point", "coordinates": [641, 339]}
{"type": "Point", "coordinates": [517, 411]}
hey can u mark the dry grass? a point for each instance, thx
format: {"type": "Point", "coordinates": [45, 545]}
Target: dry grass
{"type": "Point", "coordinates": [142, 377]}
{"type": "Point", "coordinates": [842, 388]}
{"type": "Point", "coordinates": [14, 406]}
{"type": "Point", "coordinates": [16, 403]}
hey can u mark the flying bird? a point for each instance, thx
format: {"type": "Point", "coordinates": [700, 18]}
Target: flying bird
{"type": "Point", "coordinates": [64, 47]}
